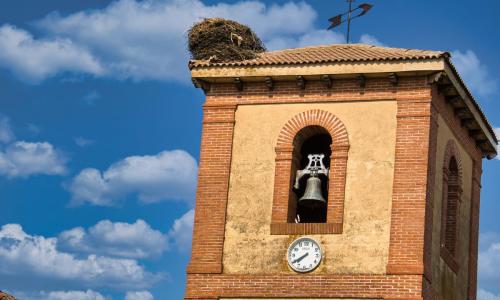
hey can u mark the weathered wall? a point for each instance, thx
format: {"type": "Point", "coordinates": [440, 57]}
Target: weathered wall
{"type": "Point", "coordinates": [447, 283]}
{"type": "Point", "coordinates": [299, 298]}
{"type": "Point", "coordinates": [363, 246]}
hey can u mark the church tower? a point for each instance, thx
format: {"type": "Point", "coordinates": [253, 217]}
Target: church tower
{"type": "Point", "coordinates": [337, 172]}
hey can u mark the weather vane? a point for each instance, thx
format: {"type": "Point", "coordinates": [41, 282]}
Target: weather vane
{"type": "Point", "coordinates": [337, 20]}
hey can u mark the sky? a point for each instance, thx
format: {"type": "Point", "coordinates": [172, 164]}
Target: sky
{"type": "Point", "coordinates": [100, 130]}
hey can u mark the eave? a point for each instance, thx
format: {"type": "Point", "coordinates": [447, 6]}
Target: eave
{"type": "Point", "coordinates": [439, 71]}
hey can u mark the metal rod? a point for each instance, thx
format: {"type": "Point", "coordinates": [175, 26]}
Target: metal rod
{"type": "Point", "coordinates": [349, 20]}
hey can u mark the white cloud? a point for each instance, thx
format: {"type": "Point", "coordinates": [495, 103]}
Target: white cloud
{"type": "Point", "coordinates": [165, 176]}
{"type": "Point", "coordinates": [22, 254]}
{"type": "Point", "coordinates": [370, 40]}
{"type": "Point", "coordinates": [485, 295]}
{"type": "Point", "coordinates": [82, 142]}
{"type": "Point", "coordinates": [6, 134]}
{"type": "Point", "coordinates": [147, 44]}
{"type": "Point", "coordinates": [34, 60]}
{"type": "Point", "coordinates": [474, 73]}
{"type": "Point", "coordinates": [22, 159]}
{"type": "Point", "coordinates": [60, 295]}
{"type": "Point", "coordinates": [489, 261]}
{"type": "Point", "coordinates": [182, 231]}
{"type": "Point", "coordinates": [136, 240]}
{"type": "Point", "coordinates": [75, 295]}
{"type": "Point", "coordinates": [140, 295]}
{"type": "Point", "coordinates": [138, 39]}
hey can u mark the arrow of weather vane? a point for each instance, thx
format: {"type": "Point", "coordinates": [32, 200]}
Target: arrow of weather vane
{"type": "Point", "coordinates": [339, 19]}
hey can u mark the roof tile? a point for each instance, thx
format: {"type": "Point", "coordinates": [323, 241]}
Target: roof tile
{"type": "Point", "coordinates": [326, 54]}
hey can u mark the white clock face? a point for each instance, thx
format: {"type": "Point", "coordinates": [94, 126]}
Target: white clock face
{"type": "Point", "coordinates": [304, 255]}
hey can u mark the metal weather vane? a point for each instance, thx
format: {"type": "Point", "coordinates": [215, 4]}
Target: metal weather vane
{"type": "Point", "coordinates": [338, 19]}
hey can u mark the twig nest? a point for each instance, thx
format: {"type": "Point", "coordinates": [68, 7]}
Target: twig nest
{"type": "Point", "coordinates": [221, 40]}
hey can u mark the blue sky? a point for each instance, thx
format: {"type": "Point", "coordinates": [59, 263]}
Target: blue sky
{"type": "Point", "coordinates": [100, 130]}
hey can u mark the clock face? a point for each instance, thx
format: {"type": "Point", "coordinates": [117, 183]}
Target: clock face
{"type": "Point", "coordinates": [304, 255]}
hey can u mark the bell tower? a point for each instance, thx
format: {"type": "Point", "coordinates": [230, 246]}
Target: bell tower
{"type": "Point", "coordinates": [337, 172]}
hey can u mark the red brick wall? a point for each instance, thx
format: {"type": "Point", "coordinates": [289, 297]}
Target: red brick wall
{"type": "Point", "coordinates": [213, 184]}
{"type": "Point", "coordinates": [408, 271]}
{"type": "Point", "coordinates": [462, 135]}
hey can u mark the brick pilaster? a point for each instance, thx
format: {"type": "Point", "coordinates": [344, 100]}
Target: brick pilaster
{"type": "Point", "coordinates": [212, 191]}
{"type": "Point", "coordinates": [474, 228]}
{"type": "Point", "coordinates": [409, 199]}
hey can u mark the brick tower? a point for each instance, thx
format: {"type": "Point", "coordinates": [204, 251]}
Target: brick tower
{"type": "Point", "coordinates": [402, 141]}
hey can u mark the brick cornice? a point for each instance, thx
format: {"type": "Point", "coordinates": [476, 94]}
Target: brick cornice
{"type": "Point", "coordinates": [378, 286]}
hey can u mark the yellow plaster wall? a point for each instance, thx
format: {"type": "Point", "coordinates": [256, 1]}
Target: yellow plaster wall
{"type": "Point", "coordinates": [450, 285]}
{"type": "Point", "coordinates": [299, 299]}
{"type": "Point", "coordinates": [363, 247]}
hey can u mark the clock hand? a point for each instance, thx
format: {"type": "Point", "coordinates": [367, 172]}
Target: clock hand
{"type": "Point", "coordinates": [300, 258]}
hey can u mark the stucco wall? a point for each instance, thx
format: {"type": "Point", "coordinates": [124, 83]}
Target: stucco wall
{"type": "Point", "coordinates": [450, 285]}
{"type": "Point", "coordinates": [298, 299]}
{"type": "Point", "coordinates": [363, 246]}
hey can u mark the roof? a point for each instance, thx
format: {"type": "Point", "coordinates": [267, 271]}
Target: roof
{"type": "Point", "coordinates": [5, 296]}
{"type": "Point", "coordinates": [329, 59]}
{"type": "Point", "coordinates": [327, 54]}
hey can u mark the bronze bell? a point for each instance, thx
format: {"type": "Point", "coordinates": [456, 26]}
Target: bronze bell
{"type": "Point", "coordinates": [312, 196]}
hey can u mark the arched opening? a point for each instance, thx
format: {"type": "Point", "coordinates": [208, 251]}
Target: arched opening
{"type": "Point", "coordinates": [451, 207]}
{"type": "Point", "coordinates": [309, 141]}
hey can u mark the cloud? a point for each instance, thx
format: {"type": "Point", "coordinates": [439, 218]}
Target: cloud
{"type": "Point", "coordinates": [147, 44]}
{"type": "Point", "coordinates": [485, 295]}
{"type": "Point", "coordinates": [34, 60]}
{"type": "Point", "coordinates": [82, 142]}
{"type": "Point", "coordinates": [22, 159]}
{"type": "Point", "coordinates": [474, 73]}
{"type": "Point", "coordinates": [136, 240]}
{"type": "Point", "coordinates": [22, 254]}
{"type": "Point", "coordinates": [130, 39]}
{"type": "Point", "coordinates": [370, 40]}
{"type": "Point", "coordinates": [168, 175]}
{"type": "Point", "coordinates": [182, 231]}
{"type": "Point", "coordinates": [6, 134]}
{"type": "Point", "coordinates": [60, 295]}
{"type": "Point", "coordinates": [141, 295]}
{"type": "Point", "coordinates": [489, 261]}
{"type": "Point", "coordinates": [138, 39]}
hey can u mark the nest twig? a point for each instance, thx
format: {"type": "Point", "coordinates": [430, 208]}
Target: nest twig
{"type": "Point", "coordinates": [221, 40]}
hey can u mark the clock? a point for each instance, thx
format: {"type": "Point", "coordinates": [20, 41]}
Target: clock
{"type": "Point", "coordinates": [304, 255]}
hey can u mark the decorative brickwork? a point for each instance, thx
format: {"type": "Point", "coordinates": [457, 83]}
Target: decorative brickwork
{"type": "Point", "coordinates": [283, 202]}
{"type": "Point", "coordinates": [452, 190]}
{"type": "Point", "coordinates": [205, 286]}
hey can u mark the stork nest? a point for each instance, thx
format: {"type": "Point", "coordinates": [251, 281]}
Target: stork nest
{"type": "Point", "coordinates": [221, 40]}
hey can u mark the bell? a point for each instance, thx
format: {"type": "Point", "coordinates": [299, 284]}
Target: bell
{"type": "Point", "coordinates": [312, 196]}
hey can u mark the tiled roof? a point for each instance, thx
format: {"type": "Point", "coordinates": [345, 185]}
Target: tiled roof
{"type": "Point", "coordinates": [4, 296]}
{"type": "Point", "coordinates": [326, 54]}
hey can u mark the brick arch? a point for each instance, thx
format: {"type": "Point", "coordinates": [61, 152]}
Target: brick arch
{"type": "Point", "coordinates": [316, 117]}
{"type": "Point", "coordinates": [281, 222]}
{"type": "Point", "coordinates": [451, 151]}
{"type": "Point", "coordinates": [450, 208]}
